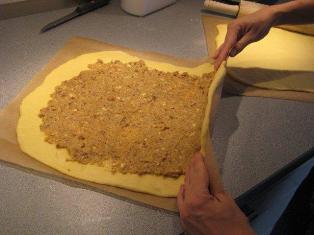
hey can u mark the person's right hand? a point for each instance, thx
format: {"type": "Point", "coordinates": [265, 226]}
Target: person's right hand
{"type": "Point", "coordinates": [208, 213]}
{"type": "Point", "coordinates": [244, 31]}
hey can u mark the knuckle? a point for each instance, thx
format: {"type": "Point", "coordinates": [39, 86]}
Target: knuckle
{"type": "Point", "coordinates": [254, 30]}
{"type": "Point", "coordinates": [232, 26]}
{"type": "Point", "coordinates": [223, 196]}
{"type": "Point", "coordinates": [195, 203]}
{"type": "Point", "coordinates": [184, 215]}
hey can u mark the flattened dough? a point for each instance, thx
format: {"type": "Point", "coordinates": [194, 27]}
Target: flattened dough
{"type": "Point", "coordinates": [32, 140]}
{"type": "Point", "coordinates": [282, 61]}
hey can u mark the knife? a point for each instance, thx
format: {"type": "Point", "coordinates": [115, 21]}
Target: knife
{"type": "Point", "coordinates": [83, 8]}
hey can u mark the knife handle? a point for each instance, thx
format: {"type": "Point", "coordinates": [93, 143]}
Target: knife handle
{"type": "Point", "coordinates": [83, 8]}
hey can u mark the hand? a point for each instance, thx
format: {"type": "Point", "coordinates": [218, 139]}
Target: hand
{"type": "Point", "coordinates": [202, 213]}
{"type": "Point", "coordinates": [243, 31]}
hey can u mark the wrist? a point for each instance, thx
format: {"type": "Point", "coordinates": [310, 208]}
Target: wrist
{"type": "Point", "coordinates": [276, 14]}
{"type": "Point", "coordinates": [285, 12]}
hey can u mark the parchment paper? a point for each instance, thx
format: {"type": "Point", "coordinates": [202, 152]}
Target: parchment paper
{"type": "Point", "coordinates": [9, 148]}
{"type": "Point", "coordinates": [235, 87]}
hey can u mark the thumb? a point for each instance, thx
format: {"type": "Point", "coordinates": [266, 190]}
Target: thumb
{"type": "Point", "coordinates": [199, 178]}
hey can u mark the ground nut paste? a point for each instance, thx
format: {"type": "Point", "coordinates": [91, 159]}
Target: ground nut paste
{"type": "Point", "coordinates": [142, 120]}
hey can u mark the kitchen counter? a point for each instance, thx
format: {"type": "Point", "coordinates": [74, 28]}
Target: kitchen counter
{"type": "Point", "coordinates": [253, 137]}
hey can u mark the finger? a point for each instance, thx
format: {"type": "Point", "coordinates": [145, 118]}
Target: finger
{"type": "Point", "coordinates": [230, 41]}
{"type": "Point", "coordinates": [198, 175]}
{"type": "Point", "coordinates": [180, 198]}
{"type": "Point", "coordinates": [217, 64]}
{"type": "Point", "coordinates": [217, 57]}
{"type": "Point", "coordinates": [187, 175]}
{"type": "Point", "coordinates": [217, 52]}
{"type": "Point", "coordinates": [241, 44]}
{"type": "Point", "coordinates": [220, 58]}
{"type": "Point", "coordinates": [180, 205]}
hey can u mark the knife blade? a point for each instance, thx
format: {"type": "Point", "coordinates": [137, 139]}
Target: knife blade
{"type": "Point", "coordinates": [82, 9]}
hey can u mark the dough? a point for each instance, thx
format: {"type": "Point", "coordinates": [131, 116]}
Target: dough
{"type": "Point", "coordinates": [32, 140]}
{"type": "Point", "coordinates": [282, 60]}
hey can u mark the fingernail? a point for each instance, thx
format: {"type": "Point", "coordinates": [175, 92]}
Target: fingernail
{"type": "Point", "coordinates": [197, 155]}
{"type": "Point", "coordinates": [215, 66]}
{"type": "Point", "coordinates": [182, 188]}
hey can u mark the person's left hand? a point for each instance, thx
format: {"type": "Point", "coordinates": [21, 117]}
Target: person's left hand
{"type": "Point", "coordinates": [203, 213]}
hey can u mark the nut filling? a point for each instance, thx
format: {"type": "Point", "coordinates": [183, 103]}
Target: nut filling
{"type": "Point", "coordinates": [142, 120]}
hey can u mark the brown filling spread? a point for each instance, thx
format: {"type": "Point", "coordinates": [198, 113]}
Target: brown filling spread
{"type": "Point", "coordinates": [143, 120]}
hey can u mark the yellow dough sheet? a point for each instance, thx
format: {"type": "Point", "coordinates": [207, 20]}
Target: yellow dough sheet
{"type": "Point", "coordinates": [283, 60]}
{"type": "Point", "coordinates": [32, 140]}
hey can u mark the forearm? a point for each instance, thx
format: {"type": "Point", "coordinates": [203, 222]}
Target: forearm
{"type": "Point", "coordinates": [294, 12]}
